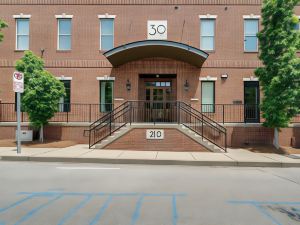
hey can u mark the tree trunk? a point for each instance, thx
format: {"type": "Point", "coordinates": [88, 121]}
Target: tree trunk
{"type": "Point", "coordinates": [42, 134]}
{"type": "Point", "coordinates": [276, 137]}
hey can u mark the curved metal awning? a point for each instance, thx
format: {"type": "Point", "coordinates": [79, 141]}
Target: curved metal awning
{"type": "Point", "coordinates": [155, 48]}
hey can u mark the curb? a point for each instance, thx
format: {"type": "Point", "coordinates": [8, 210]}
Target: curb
{"type": "Point", "coordinates": [150, 162]}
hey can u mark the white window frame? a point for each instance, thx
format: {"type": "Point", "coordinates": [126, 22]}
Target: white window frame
{"type": "Point", "coordinates": [209, 108]}
{"type": "Point", "coordinates": [214, 19]}
{"type": "Point", "coordinates": [251, 17]}
{"type": "Point", "coordinates": [63, 16]}
{"type": "Point", "coordinates": [106, 77]}
{"type": "Point", "coordinates": [100, 96]}
{"type": "Point", "coordinates": [298, 23]}
{"type": "Point", "coordinates": [106, 16]}
{"type": "Point", "coordinates": [251, 78]}
{"type": "Point", "coordinates": [17, 18]}
{"type": "Point", "coordinates": [60, 106]}
{"type": "Point", "coordinates": [208, 78]}
{"type": "Point", "coordinates": [62, 77]}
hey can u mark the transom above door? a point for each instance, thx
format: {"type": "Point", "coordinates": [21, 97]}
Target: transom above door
{"type": "Point", "coordinates": [158, 91]}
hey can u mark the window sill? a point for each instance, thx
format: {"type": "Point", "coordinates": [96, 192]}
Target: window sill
{"type": "Point", "coordinates": [63, 51]}
{"type": "Point", "coordinates": [210, 51]}
{"type": "Point", "coordinates": [17, 50]}
{"type": "Point", "coordinates": [102, 51]}
{"type": "Point", "coordinates": [251, 52]}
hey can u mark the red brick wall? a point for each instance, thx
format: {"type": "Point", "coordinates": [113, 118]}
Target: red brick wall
{"type": "Point", "coordinates": [243, 136]}
{"type": "Point", "coordinates": [236, 137]}
{"type": "Point", "coordinates": [174, 141]}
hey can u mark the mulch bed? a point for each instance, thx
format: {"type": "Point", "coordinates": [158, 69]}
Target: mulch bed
{"type": "Point", "coordinates": [37, 144]}
{"type": "Point", "coordinates": [271, 149]}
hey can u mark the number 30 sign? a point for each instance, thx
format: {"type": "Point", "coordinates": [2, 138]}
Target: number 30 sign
{"type": "Point", "coordinates": [157, 29]}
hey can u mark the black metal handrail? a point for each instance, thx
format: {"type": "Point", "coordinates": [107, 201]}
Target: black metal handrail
{"type": "Point", "coordinates": [106, 115]}
{"type": "Point", "coordinates": [203, 126]}
{"type": "Point", "coordinates": [154, 112]}
{"type": "Point", "coordinates": [108, 124]}
{"type": "Point", "coordinates": [209, 120]}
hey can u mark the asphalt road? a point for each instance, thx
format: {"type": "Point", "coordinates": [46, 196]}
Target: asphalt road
{"type": "Point", "coordinates": [88, 194]}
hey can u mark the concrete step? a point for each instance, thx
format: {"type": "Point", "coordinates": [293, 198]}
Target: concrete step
{"type": "Point", "coordinates": [119, 133]}
{"type": "Point", "coordinates": [207, 144]}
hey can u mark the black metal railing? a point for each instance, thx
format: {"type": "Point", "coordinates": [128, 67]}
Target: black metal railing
{"type": "Point", "coordinates": [76, 112]}
{"type": "Point", "coordinates": [108, 124]}
{"type": "Point", "coordinates": [202, 125]}
{"type": "Point", "coordinates": [158, 112]}
{"type": "Point", "coordinates": [154, 111]}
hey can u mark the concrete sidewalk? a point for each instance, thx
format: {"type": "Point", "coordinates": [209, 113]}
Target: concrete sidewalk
{"type": "Point", "coordinates": [82, 154]}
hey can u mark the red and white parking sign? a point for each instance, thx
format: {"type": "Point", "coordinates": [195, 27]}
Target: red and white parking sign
{"type": "Point", "coordinates": [18, 81]}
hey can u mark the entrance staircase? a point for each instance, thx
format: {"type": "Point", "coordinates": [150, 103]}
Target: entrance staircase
{"type": "Point", "coordinates": [185, 118]}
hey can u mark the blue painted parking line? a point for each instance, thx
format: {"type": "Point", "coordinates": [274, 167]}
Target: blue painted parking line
{"type": "Point", "coordinates": [136, 214]}
{"type": "Point", "coordinates": [261, 207]}
{"type": "Point", "coordinates": [87, 197]}
{"type": "Point", "coordinates": [72, 211]}
{"type": "Point", "coordinates": [15, 204]}
{"type": "Point", "coordinates": [174, 210]}
{"type": "Point", "coordinates": [101, 211]}
{"type": "Point", "coordinates": [35, 210]}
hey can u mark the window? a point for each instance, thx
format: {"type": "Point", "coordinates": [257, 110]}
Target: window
{"type": "Point", "coordinates": [297, 26]}
{"type": "Point", "coordinates": [250, 38]}
{"type": "Point", "coordinates": [106, 96]}
{"type": "Point", "coordinates": [207, 41]}
{"type": "Point", "coordinates": [22, 34]}
{"type": "Point", "coordinates": [64, 34]}
{"type": "Point", "coordinates": [64, 102]}
{"type": "Point", "coordinates": [106, 34]}
{"type": "Point", "coordinates": [208, 96]}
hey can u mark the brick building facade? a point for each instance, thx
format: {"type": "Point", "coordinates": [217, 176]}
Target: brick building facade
{"type": "Point", "coordinates": [201, 52]}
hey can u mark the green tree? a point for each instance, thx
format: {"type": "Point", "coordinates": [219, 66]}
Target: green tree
{"type": "Point", "coordinates": [2, 26]}
{"type": "Point", "coordinates": [42, 91]}
{"type": "Point", "coordinates": [280, 75]}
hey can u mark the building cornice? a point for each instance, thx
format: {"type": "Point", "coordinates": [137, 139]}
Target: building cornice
{"type": "Point", "coordinates": [251, 64]}
{"type": "Point", "coordinates": [130, 2]}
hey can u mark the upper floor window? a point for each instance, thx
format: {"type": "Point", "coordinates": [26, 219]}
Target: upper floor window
{"type": "Point", "coordinates": [106, 33]}
{"type": "Point", "coordinates": [22, 34]}
{"type": "Point", "coordinates": [207, 32]}
{"type": "Point", "coordinates": [64, 34]}
{"type": "Point", "coordinates": [250, 35]}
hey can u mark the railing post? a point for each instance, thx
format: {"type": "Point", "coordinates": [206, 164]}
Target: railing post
{"type": "Point", "coordinates": [178, 112]}
{"type": "Point", "coordinates": [202, 125]}
{"type": "Point", "coordinates": [67, 116]}
{"type": "Point", "coordinates": [153, 114]}
{"type": "Point", "coordinates": [223, 113]}
{"type": "Point", "coordinates": [225, 141]}
{"type": "Point", "coordinates": [110, 119]}
{"type": "Point", "coordinates": [89, 138]}
{"type": "Point", "coordinates": [90, 113]}
{"type": "Point", "coordinates": [130, 112]}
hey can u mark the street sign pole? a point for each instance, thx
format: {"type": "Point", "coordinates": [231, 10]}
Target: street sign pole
{"type": "Point", "coordinates": [19, 122]}
{"type": "Point", "coordinates": [18, 87]}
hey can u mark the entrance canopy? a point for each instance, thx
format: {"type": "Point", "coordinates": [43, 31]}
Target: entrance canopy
{"type": "Point", "coordinates": [156, 48]}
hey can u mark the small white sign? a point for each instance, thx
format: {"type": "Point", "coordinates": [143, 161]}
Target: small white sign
{"type": "Point", "coordinates": [155, 134]}
{"type": "Point", "coordinates": [18, 82]}
{"type": "Point", "coordinates": [157, 29]}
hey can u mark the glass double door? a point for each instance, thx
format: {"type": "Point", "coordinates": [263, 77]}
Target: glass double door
{"type": "Point", "coordinates": [158, 104]}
